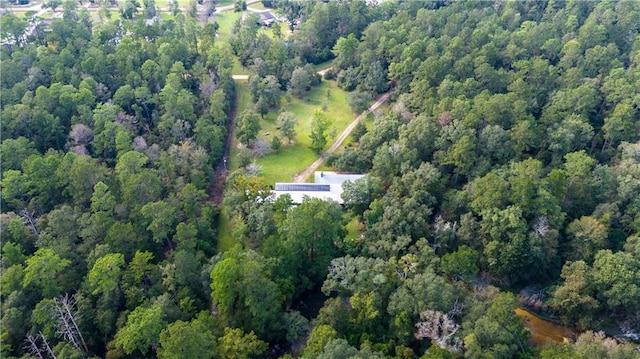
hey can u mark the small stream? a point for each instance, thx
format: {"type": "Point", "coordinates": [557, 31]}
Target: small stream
{"type": "Point", "coordinates": [543, 330]}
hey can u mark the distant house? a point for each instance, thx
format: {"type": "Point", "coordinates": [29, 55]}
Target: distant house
{"type": "Point", "coordinates": [266, 18]}
{"type": "Point", "coordinates": [327, 186]}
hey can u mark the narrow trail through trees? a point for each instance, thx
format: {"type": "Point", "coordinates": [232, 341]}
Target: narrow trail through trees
{"type": "Point", "coordinates": [302, 176]}
{"type": "Point", "coordinates": [220, 172]}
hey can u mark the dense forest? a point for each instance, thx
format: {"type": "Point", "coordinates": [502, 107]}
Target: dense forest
{"type": "Point", "coordinates": [505, 173]}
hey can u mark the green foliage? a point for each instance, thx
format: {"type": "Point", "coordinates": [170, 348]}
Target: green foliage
{"type": "Point", "coordinates": [235, 344]}
{"type": "Point", "coordinates": [313, 230]}
{"type": "Point", "coordinates": [286, 123]}
{"type": "Point", "coordinates": [510, 143]}
{"type": "Point", "coordinates": [319, 126]}
{"type": "Point", "coordinates": [358, 101]}
{"type": "Point", "coordinates": [345, 51]}
{"type": "Point", "coordinates": [161, 217]}
{"type": "Point", "coordinates": [596, 345]}
{"type": "Point", "coordinates": [296, 326]}
{"type": "Point", "coordinates": [499, 333]}
{"type": "Point", "coordinates": [245, 295]}
{"type": "Point", "coordinates": [247, 126]}
{"type": "Point", "coordinates": [19, 148]}
{"type": "Point", "coordinates": [357, 195]}
{"type": "Point", "coordinates": [462, 263]}
{"type": "Point", "coordinates": [142, 329]}
{"type": "Point", "coordinates": [106, 272]}
{"type": "Point", "coordinates": [573, 300]}
{"type": "Point", "coordinates": [44, 270]}
{"type": "Point", "coordinates": [320, 336]}
{"type": "Point", "coordinates": [83, 155]}
{"type": "Point", "coordinates": [186, 339]}
{"type": "Point", "coordinates": [300, 82]}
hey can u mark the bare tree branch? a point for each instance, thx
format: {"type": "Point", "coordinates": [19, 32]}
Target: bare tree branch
{"type": "Point", "coordinates": [45, 345]}
{"type": "Point", "coordinates": [67, 323]}
{"type": "Point", "coordinates": [440, 328]}
{"type": "Point", "coordinates": [32, 346]}
{"type": "Point", "coordinates": [30, 216]}
{"type": "Point", "coordinates": [38, 351]}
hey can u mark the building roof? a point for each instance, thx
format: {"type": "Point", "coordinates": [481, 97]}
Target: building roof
{"type": "Point", "coordinates": [327, 177]}
{"type": "Point", "coordinates": [266, 15]}
{"type": "Point", "coordinates": [266, 18]}
{"type": "Point", "coordinates": [327, 186]}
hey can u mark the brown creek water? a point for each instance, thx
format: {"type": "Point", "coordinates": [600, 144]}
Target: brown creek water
{"type": "Point", "coordinates": [544, 330]}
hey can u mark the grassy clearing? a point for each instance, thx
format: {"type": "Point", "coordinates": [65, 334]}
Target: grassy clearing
{"type": "Point", "coordinates": [164, 4]}
{"type": "Point", "coordinates": [21, 13]}
{"type": "Point", "coordinates": [225, 22]}
{"type": "Point", "coordinates": [258, 6]}
{"type": "Point", "coordinates": [243, 101]}
{"type": "Point", "coordinates": [292, 159]}
{"type": "Point", "coordinates": [238, 69]}
{"type": "Point", "coordinates": [284, 30]}
{"type": "Point", "coordinates": [224, 3]}
{"type": "Point", "coordinates": [323, 65]}
{"type": "Point", "coordinates": [225, 238]}
{"type": "Point", "coordinates": [354, 227]}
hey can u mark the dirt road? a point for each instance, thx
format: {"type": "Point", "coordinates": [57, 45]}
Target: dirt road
{"type": "Point", "coordinates": [302, 176]}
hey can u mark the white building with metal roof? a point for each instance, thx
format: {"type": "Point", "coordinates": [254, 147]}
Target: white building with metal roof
{"type": "Point", "coordinates": [327, 186]}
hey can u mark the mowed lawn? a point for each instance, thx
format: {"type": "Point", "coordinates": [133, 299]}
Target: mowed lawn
{"type": "Point", "coordinates": [293, 158]}
{"type": "Point", "coordinates": [225, 22]}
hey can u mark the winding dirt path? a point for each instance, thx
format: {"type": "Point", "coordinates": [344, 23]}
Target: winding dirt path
{"type": "Point", "coordinates": [302, 176]}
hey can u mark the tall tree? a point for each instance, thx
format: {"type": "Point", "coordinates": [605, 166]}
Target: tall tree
{"type": "Point", "coordinates": [247, 126]}
{"type": "Point", "coordinates": [300, 82]}
{"type": "Point", "coordinates": [106, 273]}
{"type": "Point", "coordinates": [314, 231]}
{"type": "Point", "coordinates": [286, 123]}
{"type": "Point", "coordinates": [235, 344]}
{"type": "Point", "coordinates": [141, 332]}
{"type": "Point", "coordinates": [255, 304]}
{"type": "Point", "coordinates": [187, 340]}
{"type": "Point", "coordinates": [43, 270]}
{"type": "Point", "coordinates": [319, 126]}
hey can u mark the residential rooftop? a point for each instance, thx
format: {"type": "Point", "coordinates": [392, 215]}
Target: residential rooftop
{"type": "Point", "coordinates": [327, 186]}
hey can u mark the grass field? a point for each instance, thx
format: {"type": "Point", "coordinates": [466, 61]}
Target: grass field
{"type": "Point", "coordinates": [238, 69]}
{"type": "Point", "coordinates": [23, 14]}
{"type": "Point", "coordinates": [292, 159]}
{"type": "Point", "coordinates": [224, 3]}
{"type": "Point", "coordinates": [257, 6]}
{"type": "Point", "coordinates": [284, 30]}
{"type": "Point", "coordinates": [243, 101]}
{"type": "Point", "coordinates": [323, 65]}
{"type": "Point", "coordinates": [225, 238]}
{"type": "Point", "coordinates": [164, 4]}
{"type": "Point", "coordinates": [354, 227]}
{"type": "Point", "coordinates": [225, 22]}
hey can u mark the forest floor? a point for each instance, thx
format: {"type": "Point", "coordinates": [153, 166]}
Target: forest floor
{"type": "Point", "coordinates": [304, 175]}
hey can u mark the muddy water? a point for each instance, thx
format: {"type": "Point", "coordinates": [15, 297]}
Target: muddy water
{"type": "Point", "coordinates": [544, 330]}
